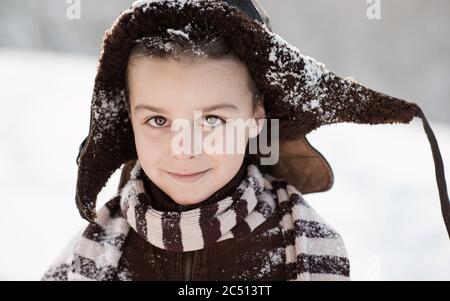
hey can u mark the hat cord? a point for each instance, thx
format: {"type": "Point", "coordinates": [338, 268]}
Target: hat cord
{"type": "Point", "coordinates": [439, 169]}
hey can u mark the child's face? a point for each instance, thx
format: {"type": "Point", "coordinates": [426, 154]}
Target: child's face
{"type": "Point", "coordinates": [174, 90]}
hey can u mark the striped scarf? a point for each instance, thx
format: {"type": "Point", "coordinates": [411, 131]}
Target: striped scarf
{"type": "Point", "coordinates": [314, 251]}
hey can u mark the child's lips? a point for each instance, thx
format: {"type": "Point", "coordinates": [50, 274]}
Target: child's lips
{"type": "Point", "coordinates": [188, 178]}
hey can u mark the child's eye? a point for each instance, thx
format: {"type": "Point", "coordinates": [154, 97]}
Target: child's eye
{"type": "Point", "coordinates": [208, 121]}
{"type": "Point", "coordinates": [157, 121]}
{"type": "Point", "coordinates": [213, 121]}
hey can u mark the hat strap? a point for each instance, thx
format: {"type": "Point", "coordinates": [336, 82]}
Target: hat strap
{"type": "Point", "coordinates": [439, 168]}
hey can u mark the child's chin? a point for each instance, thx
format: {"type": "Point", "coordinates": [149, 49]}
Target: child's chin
{"type": "Point", "coordinates": [193, 198]}
{"type": "Point", "coordinates": [185, 202]}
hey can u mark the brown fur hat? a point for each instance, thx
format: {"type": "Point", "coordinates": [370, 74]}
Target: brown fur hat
{"type": "Point", "coordinates": [298, 91]}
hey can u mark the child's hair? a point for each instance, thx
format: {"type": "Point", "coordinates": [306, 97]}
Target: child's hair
{"type": "Point", "coordinates": [178, 46]}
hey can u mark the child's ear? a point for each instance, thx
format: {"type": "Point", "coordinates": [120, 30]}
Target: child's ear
{"type": "Point", "coordinates": [259, 115]}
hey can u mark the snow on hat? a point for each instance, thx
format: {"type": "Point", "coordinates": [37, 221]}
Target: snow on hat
{"type": "Point", "coordinates": [299, 91]}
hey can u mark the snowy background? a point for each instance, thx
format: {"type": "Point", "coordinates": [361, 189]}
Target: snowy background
{"type": "Point", "coordinates": [384, 201]}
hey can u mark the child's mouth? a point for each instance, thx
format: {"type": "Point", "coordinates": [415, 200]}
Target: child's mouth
{"type": "Point", "coordinates": [188, 178]}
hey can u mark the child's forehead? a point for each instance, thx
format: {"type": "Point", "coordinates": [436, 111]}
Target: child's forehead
{"type": "Point", "coordinates": [179, 101]}
{"type": "Point", "coordinates": [207, 82]}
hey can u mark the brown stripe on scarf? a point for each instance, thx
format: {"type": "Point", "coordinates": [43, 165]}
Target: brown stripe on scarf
{"type": "Point", "coordinates": [298, 200]}
{"type": "Point", "coordinates": [265, 209]}
{"type": "Point", "coordinates": [285, 207]}
{"type": "Point", "coordinates": [294, 199]}
{"type": "Point", "coordinates": [241, 229]}
{"type": "Point", "coordinates": [323, 264]}
{"type": "Point", "coordinates": [313, 229]}
{"type": "Point", "coordinates": [278, 184]}
{"type": "Point", "coordinates": [241, 210]}
{"type": "Point", "coordinates": [316, 264]}
{"type": "Point", "coordinates": [140, 210]}
{"type": "Point", "coordinates": [96, 233]}
{"type": "Point", "coordinates": [87, 268]}
{"type": "Point", "coordinates": [209, 224]}
{"type": "Point", "coordinates": [171, 229]}
{"type": "Point", "coordinates": [114, 210]}
{"type": "Point", "coordinates": [57, 273]}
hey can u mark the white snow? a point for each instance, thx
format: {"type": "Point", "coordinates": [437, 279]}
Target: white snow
{"type": "Point", "coordinates": [168, 46]}
{"type": "Point", "coordinates": [275, 258]}
{"type": "Point", "coordinates": [287, 57]}
{"type": "Point", "coordinates": [111, 105]}
{"type": "Point", "coordinates": [178, 32]}
{"type": "Point", "coordinates": [171, 3]}
{"type": "Point", "coordinates": [384, 202]}
{"type": "Point", "coordinates": [44, 117]}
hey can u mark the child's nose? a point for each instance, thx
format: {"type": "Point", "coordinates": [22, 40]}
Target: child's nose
{"type": "Point", "coordinates": [186, 150]}
{"type": "Point", "coordinates": [184, 156]}
{"type": "Point", "coordinates": [189, 147]}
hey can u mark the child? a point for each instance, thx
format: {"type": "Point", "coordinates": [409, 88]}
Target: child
{"type": "Point", "coordinates": [206, 215]}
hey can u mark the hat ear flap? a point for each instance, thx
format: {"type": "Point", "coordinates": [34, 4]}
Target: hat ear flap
{"type": "Point", "coordinates": [109, 144]}
{"type": "Point", "coordinates": [312, 96]}
{"type": "Point", "coordinates": [346, 100]}
{"type": "Point", "coordinates": [308, 95]}
{"type": "Point", "coordinates": [301, 165]}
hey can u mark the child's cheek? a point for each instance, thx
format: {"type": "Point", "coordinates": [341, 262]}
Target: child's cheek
{"type": "Point", "coordinates": [152, 140]}
{"type": "Point", "coordinates": [147, 136]}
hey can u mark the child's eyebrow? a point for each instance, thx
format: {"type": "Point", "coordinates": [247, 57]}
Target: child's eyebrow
{"type": "Point", "coordinates": [219, 106]}
{"type": "Point", "coordinates": [205, 109]}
